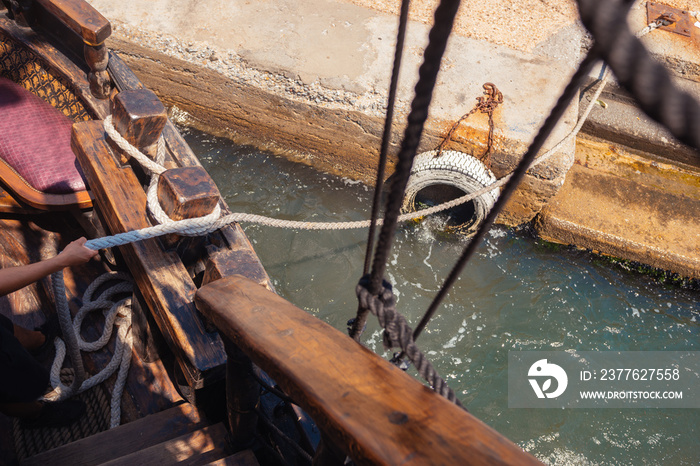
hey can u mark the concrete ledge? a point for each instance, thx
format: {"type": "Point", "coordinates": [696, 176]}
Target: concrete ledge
{"type": "Point", "coordinates": [618, 203]}
{"type": "Point", "coordinates": [618, 119]}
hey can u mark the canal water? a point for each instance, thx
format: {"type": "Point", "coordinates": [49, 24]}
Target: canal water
{"type": "Point", "coordinates": [518, 293]}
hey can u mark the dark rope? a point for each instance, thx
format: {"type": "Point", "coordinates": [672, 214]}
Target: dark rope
{"type": "Point", "coordinates": [398, 334]}
{"type": "Point", "coordinates": [557, 112]}
{"type": "Point", "coordinates": [358, 324]}
{"type": "Point", "coordinates": [386, 135]}
{"type": "Point", "coordinates": [646, 79]}
{"type": "Point", "coordinates": [437, 42]}
{"type": "Point", "coordinates": [427, 76]}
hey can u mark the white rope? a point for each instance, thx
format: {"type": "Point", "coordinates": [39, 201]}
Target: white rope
{"type": "Point", "coordinates": [115, 312]}
{"type": "Point", "coordinates": [213, 221]}
{"type": "Point", "coordinates": [132, 151]}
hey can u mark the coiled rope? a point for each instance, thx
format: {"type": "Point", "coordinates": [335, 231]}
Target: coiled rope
{"type": "Point", "coordinates": [115, 312]}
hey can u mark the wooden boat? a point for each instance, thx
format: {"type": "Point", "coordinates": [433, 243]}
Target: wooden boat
{"type": "Point", "coordinates": [210, 334]}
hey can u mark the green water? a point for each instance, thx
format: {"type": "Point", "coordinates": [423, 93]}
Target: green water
{"type": "Point", "coordinates": [519, 293]}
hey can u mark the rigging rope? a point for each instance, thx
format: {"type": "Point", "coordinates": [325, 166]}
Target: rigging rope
{"type": "Point", "coordinates": [398, 334]}
{"type": "Point", "coordinates": [645, 78]}
{"type": "Point", "coordinates": [386, 134]}
{"type": "Point", "coordinates": [569, 93]}
{"type": "Point", "coordinates": [370, 293]}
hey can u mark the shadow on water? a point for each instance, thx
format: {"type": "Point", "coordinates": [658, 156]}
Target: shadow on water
{"type": "Point", "coordinates": [518, 294]}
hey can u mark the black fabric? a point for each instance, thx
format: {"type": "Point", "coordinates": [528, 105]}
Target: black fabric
{"type": "Point", "coordinates": [7, 323]}
{"type": "Point", "coordinates": [22, 378]}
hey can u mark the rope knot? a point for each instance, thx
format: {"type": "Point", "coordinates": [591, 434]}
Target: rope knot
{"type": "Point", "coordinates": [397, 333]}
{"type": "Point", "coordinates": [382, 305]}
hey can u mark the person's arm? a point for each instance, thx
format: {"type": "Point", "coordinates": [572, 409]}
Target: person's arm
{"type": "Point", "coordinates": [15, 278]}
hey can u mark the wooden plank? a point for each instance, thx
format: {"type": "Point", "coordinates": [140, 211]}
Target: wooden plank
{"type": "Point", "coordinates": [376, 412]}
{"type": "Point", "coordinates": [162, 278]}
{"type": "Point", "coordinates": [125, 439]}
{"type": "Point", "coordinates": [199, 447]}
{"type": "Point", "coordinates": [242, 458]}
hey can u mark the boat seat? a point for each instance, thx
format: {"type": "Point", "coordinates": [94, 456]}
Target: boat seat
{"type": "Point", "coordinates": [37, 164]}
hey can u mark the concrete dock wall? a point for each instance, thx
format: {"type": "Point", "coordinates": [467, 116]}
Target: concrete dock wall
{"type": "Point", "coordinates": [309, 80]}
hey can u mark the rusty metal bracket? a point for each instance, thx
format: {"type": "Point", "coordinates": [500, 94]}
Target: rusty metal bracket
{"type": "Point", "coordinates": [675, 20]}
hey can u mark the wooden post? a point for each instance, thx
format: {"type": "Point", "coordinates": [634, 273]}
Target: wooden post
{"type": "Point", "coordinates": [97, 58]}
{"type": "Point", "coordinates": [242, 396]}
{"type": "Point", "coordinates": [93, 29]}
{"type": "Point", "coordinates": [187, 192]}
{"type": "Point", "coordinates": [139, 116]}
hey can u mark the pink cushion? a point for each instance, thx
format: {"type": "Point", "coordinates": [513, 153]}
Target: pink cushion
{"type": "Point", "coordinates": [35, 141]}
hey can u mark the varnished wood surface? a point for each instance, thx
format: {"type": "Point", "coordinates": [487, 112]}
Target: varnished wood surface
{"type": "Point", "coordinates": [37, 199]}
{"type": "Point", "coordinates": [125, 439]}
{"type": "Point", "coordinates": [9, 204]}
{"type": "Point", "coordinates": [81, 18]}
{"type": "Point", "coordinates": [162, 278]}
{"type": "Point", "coordinates": [187, 192]}
{"type": "Point", "coordinates": [139, 117]}
{"type": "Point", "coordinates": [375, 411]}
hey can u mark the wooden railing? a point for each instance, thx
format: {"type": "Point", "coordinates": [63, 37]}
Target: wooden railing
{"type": "Point", "coordinates": [166, 270]}
{"type": "Point", "coordinates": [365, 407]}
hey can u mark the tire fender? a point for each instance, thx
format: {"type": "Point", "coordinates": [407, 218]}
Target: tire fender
{"type": "Point", "coordinates": [456, 170]}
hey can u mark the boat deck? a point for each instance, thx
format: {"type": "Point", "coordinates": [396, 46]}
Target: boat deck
{"type": "Point", "coordinates": [25, 239]}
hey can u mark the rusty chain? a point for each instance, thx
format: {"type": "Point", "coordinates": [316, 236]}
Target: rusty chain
{"type": "Point", "coordinates": [485, 104]}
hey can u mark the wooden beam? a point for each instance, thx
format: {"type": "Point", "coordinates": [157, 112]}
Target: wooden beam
{"type": "Point", "coordinates": [139, 116]}
{"type": "Point", "coordinates": [187, 192]}
{"type": "Point", "coordinates": [375, 411]}
{"type": "Point", "coordinates": [81, 18]}
{"type": "Point", "coordinates": [161, 277]}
